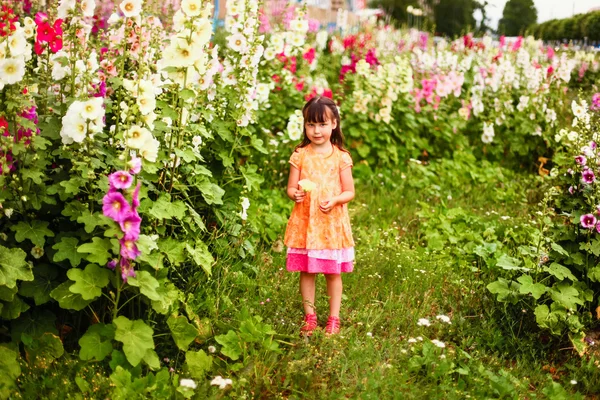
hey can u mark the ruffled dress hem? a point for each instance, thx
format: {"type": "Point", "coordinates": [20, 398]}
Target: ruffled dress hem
{"type": "Point", "coordinates": [327, 261]}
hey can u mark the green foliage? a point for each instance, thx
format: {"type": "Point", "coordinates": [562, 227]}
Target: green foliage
{"type": "Point", "coordinates": [454, 17]}
{"type": "Point", "coordinates": [517, 16]}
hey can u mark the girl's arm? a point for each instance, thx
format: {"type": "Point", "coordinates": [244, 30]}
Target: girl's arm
{"type": "Point", "coordinates": [293, 192]}
{"type": "Point", "coordinates": [347, 191]}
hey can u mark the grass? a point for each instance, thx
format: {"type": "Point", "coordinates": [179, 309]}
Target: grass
{"type": "Point", "coordinates": [382, 352]}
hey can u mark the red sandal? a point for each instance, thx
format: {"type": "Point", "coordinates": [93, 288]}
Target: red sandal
{"type": "Point", "coordinates": [310, 324]}
{"type": "Point", "coordinates": [333, 326]}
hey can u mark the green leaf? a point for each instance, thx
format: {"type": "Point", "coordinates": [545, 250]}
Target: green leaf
{"type": "Point", "coordinates": [560, 272]}
{"type": "Point", "coordinates": [504, 290]}
{"type": "Point", "coordinates": [39, 289]}
{"type": "Point", "coordinates": [201, 256]}
{"type": "Point", "coordinates": [509, 263]}
{"type": "Point", "coordinates": [89, 282]}
{"type": "Point", "coordinates": [13, 266]}
{"type": "Point", "coordinates": [253, 180]}
{"type": "Point", "coordinates": [46, 346]}
{"type": "Point", "coordinates": [541, 315]}
{"type": "Point", "coordinates": [96, 343]}
{"type": "Point", "coordinates": [36, 232]}
{"type": "Point", "coordinates": [147, 284]}
{"type": "Point", "coordinates": [35, 176]}
{"type": "Point", "coordinates": [136, 337]}
{"type": "Point", "coordinates": [527, 286]}
{"type": "Point", "coordinates": [578, 341]}
{"type": "Point", "coordinates": [91, 221]}
{"type": "Point", "coordinates": [67, 299]}
{"type": "Point", "coordinates": [566, 295]}
{"type": "Point", "coordinates": [8, 294]}
{"type": "Point", "coordinates": [14, 309]}
{"type": "Point", "coordinates": [169, 294]}
{"type": "Point", "coordinates": [98, 250]}
{"type": "Point", "coordinates": [34, 324]}
{"type": "Point", "coordinates": [559, 249]}
{"type": "Point", "coordinates": [211, 192]}
{"type": "Point", "coordinates": [183, 332]}
{"type": "Point", "coordinates": [10, 370]}
{"type": "Point", "coordinates": [146, 244]}
{"type": "Point", "coordinates": [198, 363]}
{"type": "Point", "coordinates": [163, 208]}
{"type": "Point", "coordinates": [173, 249]}
{"type": "Point", "coordinates": [73, 185]}
{"type": "Point", "coordinates": [258, 144]}
{"type": "Point", "coordinates": [67, 250]}
{"type": "Point", "coordinates": [231, 346]}
{"type": "Point", "coordinates": [196, 217]}
{"type": "Point", "coordinates": [151, 359]}
{"type": "Point", "coordinates": [594, 274]}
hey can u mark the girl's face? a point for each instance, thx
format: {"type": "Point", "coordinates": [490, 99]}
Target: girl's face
{"type": "Point", "coordinates": [320, 132]}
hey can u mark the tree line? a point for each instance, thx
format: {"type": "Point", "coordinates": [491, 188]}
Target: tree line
{"type": "Point", "coordinates": [578, 27]}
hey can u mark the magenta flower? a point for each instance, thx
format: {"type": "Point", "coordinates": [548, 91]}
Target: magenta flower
{"type": "Point", "coordinates": [581, 160]}
{"type": "Point", "coordinates": [587, 176]}
{"type": "Point", "coordinates": [130, 225]}
{"type": "Point", "coordinates": [120, 180]}
{"type": "Point", "coordinates": [571, 189]}
{"type": "Point", "coordinates": [135, 165]}
{"type": "Point", "coordinates": [588, 221]}
{"type": "Point", "coordinates": [129, 249]}
{"type": "Point", "coordinates": [126, 269]}
{"type": "Point", "coordinates": [112, 264]}
{"type": "Point", "coordinates": [115, 206]}
{"type": "Point", "coordinates": [135, 198]}
{"type": "Point", "coordinates": [598, 227]}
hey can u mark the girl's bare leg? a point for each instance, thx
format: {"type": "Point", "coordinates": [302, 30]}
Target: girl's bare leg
{"type": "Point", "coordinates": [334, 290]}
{"type": "Point", "coordinates": [307, 290]}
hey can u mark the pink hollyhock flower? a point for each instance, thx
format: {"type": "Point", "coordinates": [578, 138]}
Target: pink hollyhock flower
{"type": "Point", "coordinates": [581, 160]}
{"type": "Point", "coordinates": [120, 180]}
{"type": "Point", "coordinates": [517, 44]}
{"type": "Point", "coordinates": [130, 225]}
{"type": "Point", "coordinates": [595, 102]}
{"type": "Point", "coordinates": [135, 198]}
{"type": "Point", "coordinates": [135, 165]}
{"type": "Point", "coordinates": [571, 189]}
{"type": "Point", "coordinates": [111, 264]}
{"type": "Point", "coordinates": [115, 206]}
{"type": "Point", "coordinates": [129, 249]}
{"type": "Point", "coordinates": [550, 52]}
{"type": "Point", "coordinates": [40, 17]}
{"type": "Point", "coordinates": [588, 176]}
{"type": "Point", "coordinates": [126, 269]}
{"type": "Point", "coordinates": [309, 55]}
{"type": "Point", "coordinates": [588, 221]}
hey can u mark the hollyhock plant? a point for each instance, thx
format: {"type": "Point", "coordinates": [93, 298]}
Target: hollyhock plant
{"type": "Point", "coordinates": [129, 249]}
{"type": "Point", "coordinates": [127, 270]}
{"type": "Point", "coordinates": [587, 176]}
{"type": "Point", "coordinates": [581, 160]}
{"type": "Point", "coordinates": [130, 225]}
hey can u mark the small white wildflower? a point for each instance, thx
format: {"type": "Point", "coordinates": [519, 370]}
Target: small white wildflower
{"type": "Point", "coordinates": [444, 318]}
{"type": "Point", "coordinates": [438, 343]}
{"type": "Point", "coordinates": [189, 383]}
{"type": "Point", "coordinates": [212, 349]}
{"type": "Point", "coordinates": [412, 340]}
{"type": "Point", "coordinates": [419, 338]}
{"type": "Point", "coordinates": [220, 382]}
{"type": "Point", "coordinates": [8, 212]}
{"type": "Point", "coordinates": [573, 382]}
{"type": "Point", "coordinates": [423, 322]}
{"type": "Point", "coordinates": [369, 334]}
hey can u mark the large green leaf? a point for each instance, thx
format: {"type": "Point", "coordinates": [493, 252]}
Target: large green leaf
{"type": "Point", "coordinates": [91, 221]}
{"type": "Point", "coordinates": [9, 371]}
{"type": "Point", "coordinates": [34, 323]}
{"type": "Point", "coordinates": [231, 346]}
{"type": "Point", "coordinates": [13, 266]}
{"type": "Point", "coordinates": [147, 284]}
{"type": "Point", "coordinates": [96, 343]}
{"type": "Point", "coordinates": [163, 208]}
{"type": "Point", "coordinates": [527, 286]}
{"type": "Point", "coordinates": [212, 193]}
{"type": "Point", "coordinates": [201, 256]}
{"type": "Point", "coordinates": [173, 249]}
{"type": "Point", "coordinates": [566, 295]}
{"type": "Point", "coordinates": [253, 179]}
{"type": "Point", "coordinates": [541, 315]}
{"type": "Point", "coordinates": [89, 281]}
{"type": "Point", "coordinates": [509, 263]}
{"type": "Point", "coordinates": [560, 272]}
{"type": "Point", "coordinates": [198, 363]}
{"type": "Point", "coordinates": [67, 250]}
{"type": "Point", "coordinates": [168, 298]}
{"type": "Point", "coordinates": [13, 309]}
{"type": "Point", "coordinates": [46, 346]}
{"type": "Point", "coordinates": [98, 251]}
{"type": "Point", "coordinates": [36, 232]}
{"type": "Point", "coordinates": [136, 337]}
{"type": "Point", "coordinates": [39, 289]}
{"type": "Point", "coordinates": [67, 299]}
{"type": "Point", "coordinates": [183, 332]}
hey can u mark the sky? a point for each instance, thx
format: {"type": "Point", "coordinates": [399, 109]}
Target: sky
{"type": "Point", "coordinates": [547, 9]}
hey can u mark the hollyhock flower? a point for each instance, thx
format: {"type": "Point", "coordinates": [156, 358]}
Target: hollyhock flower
{"type": "Point", "coordinates": [135, 197]}
{"type": "Point", "coordinates": [12, 70]}
{"type": "Point", "coordinates": [111, 264]}
{"type": "Point", "coordinates": [115, 206]}
{"type": "Point", "coordinates": [571, 189]}
{"type": "Point", "coordinates": [587, 176]}
{"type": "Point", "coordinates": [130, 225]}
{"type": "Point", "coordinates": [126, 269]}
{"type": "Point", "coordinates": [588, 221]}
{"type": "Point", "coordinates": [129, 249]}
{"type": "Point", "coordinates": [120, 180]}
{"type": "Point", "coordinates": [595, 102]}
{"type": "Point", "coordinates": [581, 160]}
{"type": "Point", "coordinates": [135, 165]}
{"type": "Point", "coordinates": [131, 8]}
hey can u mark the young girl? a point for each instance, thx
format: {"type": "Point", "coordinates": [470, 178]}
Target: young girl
{"type": "Point", "coordinates": [318, 234]}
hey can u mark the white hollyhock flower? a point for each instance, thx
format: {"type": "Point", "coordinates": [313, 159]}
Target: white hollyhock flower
{"type": "Point", "coordinates": [237, 42]}
{"type": "Point", "coordinates": [92, 109]}
{"type": "Point", "coordinates": [299, 25]}
{"type": "Point", "coordinates": [17, 43]}
{"type": "Point", "coordinates": [64, 7]}
{"type": "Point", "coordinates": [202, 33]}
{"type": "Point", "coordinates": [88, 7]}
{"type": "Point", "coordinates": [150, 149]}
{"type": "Point", "coordinates": [131, 8]}
{"type": "Point", "coordinates": [579, 110]}
{"type": "Point", "coordinates": [136, 137]}
{"type": "Point", "coordinates": [12, 70]}
{"type": "Point", "coordinates": [191, 8]}
{"type": "Point", "coordinates": [146, 103]}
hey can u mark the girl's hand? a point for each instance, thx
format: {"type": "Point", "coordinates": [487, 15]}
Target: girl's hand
{"type": "Point", "coordinates": [327, 206]}
{"type": "Point", "coordinates": [299, 195]}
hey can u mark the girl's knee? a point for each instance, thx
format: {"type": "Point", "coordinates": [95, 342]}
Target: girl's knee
{"type": "Point", "coordinates": [333, 277]}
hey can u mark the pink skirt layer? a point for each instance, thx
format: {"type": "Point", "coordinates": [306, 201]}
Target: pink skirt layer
{"type": "Point", "coordinates": [320, 261]}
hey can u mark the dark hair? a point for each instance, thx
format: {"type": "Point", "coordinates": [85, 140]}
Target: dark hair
{"type": "Point", "coordinates": [320, 109]}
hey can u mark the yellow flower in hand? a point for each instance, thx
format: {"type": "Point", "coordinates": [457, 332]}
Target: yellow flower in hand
{"type": "Point", "coordinates": [307, 185]}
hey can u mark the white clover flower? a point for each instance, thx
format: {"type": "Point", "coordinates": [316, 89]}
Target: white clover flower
{"type": "Point", "coordinates": [438, 343]}
{"type": "Point", "coordinates": [370, 334]}
{"type": "Point", "coordinates": [188, 383]}
{"type": "Point", "coordinates": [573, 382]}
{"type": "Point", "coordinates": [444, 318]}
{"type": "Point", "coordinates": [131, 8]}
{"type": "Point", "coordinates": [220, 382]}
{"type": "Point", "coordinates": [423, 322]}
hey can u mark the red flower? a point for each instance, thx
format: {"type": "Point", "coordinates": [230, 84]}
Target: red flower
{"type": "Point", "coordinates": [56, 44]}
{"type": "Point", "coordinates": [45, 33]}
{"type": "Point", "coordinates": [309, 55]}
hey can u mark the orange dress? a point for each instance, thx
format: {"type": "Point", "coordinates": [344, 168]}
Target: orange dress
{"type": "Point", "coordinates": [318, 242]}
